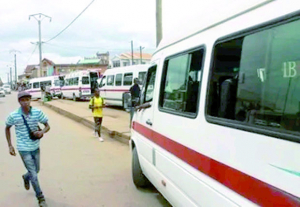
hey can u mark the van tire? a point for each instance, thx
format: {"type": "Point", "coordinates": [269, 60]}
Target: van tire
{"type": "Point", "coordinates": [139, 179]}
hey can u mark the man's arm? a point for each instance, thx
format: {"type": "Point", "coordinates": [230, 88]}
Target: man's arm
{"type": "Point", "coordinates": [40, 134]}
{"type": "Point", "coordinates": [8, 138]}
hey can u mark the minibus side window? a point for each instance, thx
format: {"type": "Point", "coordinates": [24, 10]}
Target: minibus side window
{"type": "Point", "coordinates": [119, 79]}
{"type": "Point", "coordinates": [110, 80]}
{"type": "Point", "coordinates": [85, 80]}
{"type": "Point", "coordinates": [75, 81]}
{"type": "Point", "coordinates": [147, 93]}
{"type": "Point", "coordinates": [142, 76]}
{"type": "Point", "coordinates": [127, 81]}
{"type": "Point", "coordinates": [71, 81]}
{"type": "Point", "coordinates": [256, 79]}
{"type": "Point", "coordinates": [36, 85]}
{"type": "Point", "coordinates": [102, 83]}
{"type": "Point", "coordinates": [180, 83]}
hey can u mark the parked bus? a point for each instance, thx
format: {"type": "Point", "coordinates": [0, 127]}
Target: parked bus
{"type": "Point", "coordinates": [36, 84]}
{"type": "Point", "coordinates": [116, 82]}
{"type": "Point", "coordinates": [80, 85]}
{"type": "Point", "coordinates": [219, 118]}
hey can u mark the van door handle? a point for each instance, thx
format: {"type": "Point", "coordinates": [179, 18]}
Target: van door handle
{"type": "Point", "coordinates": [149, 122]}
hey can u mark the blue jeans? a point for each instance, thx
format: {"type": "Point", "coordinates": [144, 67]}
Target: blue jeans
{"type": "Point", "coordinates": [31, 160]}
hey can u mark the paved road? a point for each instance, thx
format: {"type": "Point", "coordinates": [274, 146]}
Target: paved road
{"type": "Point", "coordinates": [76, 169]}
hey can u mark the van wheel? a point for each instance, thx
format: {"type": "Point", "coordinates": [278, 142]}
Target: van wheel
{"type": "Point", "coordinates": [74, 97]}
{"type": "Point", "coordinates": [139, 179]}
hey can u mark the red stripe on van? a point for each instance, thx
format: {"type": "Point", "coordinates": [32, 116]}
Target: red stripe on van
{"type": "Point", "coordinates": [114, 90]}
{"type": "Point", "coordinates": [249, 187]}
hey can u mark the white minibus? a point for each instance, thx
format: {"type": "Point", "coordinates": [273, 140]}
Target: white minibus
{"type": "Point", "coordinates": [219, 118]}
{"type": "Point", "coordinates": [116, 82]}
{"type": "Point", "coordinates": [80, 85]}
{"type": "Point", "coordinates": [36, 84]}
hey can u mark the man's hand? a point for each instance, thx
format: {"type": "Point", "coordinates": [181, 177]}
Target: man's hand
{"type": "Point", "coordinates": [12, 151]}
{"type": "Point", "coordinates": [38, 134]}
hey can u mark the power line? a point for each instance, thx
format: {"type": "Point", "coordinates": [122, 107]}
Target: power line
{"type": "Point", "coordinates": [31, 54]}
{"type": "Point", "coordinates": [71, 22]}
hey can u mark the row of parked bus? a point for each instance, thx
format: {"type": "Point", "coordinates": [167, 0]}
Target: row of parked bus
{"type": "Point", "coordinates": [114, 84]}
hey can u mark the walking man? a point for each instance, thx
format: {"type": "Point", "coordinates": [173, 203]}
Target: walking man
{"type": "Point", "coordinates": [135, 95]}
{"type": "Point", "coordinates": [26, 119]}
{"type": "Point", "coordinates": [97, 104]}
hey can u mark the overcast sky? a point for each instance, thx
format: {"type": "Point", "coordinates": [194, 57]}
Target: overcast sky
{"type": "Point", "coordinates": [107, 25]}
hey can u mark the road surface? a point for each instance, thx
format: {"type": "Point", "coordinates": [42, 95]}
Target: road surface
{"type": "Point", "coordinates": [76, 169]}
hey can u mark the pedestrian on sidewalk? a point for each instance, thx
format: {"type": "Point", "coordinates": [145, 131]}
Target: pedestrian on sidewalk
{"type": "Point", "coordinates": [97, 104]}
{"type": "Point", "coordinates": [135, 95]}
{"type": "Point", "coordinates": [26, 120]}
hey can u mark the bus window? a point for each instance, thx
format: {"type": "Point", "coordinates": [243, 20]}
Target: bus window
{"type": "Point", "coordinates": [119, 79]}
{"type": "Point", "coordinates": [57, 83]}
{"type": "Point", "coordinates": [103, 81]}
{"type": "Point", "coordinates": [127, 79]}
{"type": "Point", "coordinates": [255, 79]}
{"type": "Point", "coordinates": [36, 85]}
{"type": "Point", "coordinates": [75, 81]}
{"type": "Point", "coordinates": [142, 77]}
{"type": "Point", "coordinates": [110, 80]}
{"type": "Point", "coordinates": [85, 80]}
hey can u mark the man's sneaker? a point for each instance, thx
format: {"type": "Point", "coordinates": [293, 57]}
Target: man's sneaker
{"type": "Point", "coordinates": [26, 183]}
{"type": "Point", "coordinates": [42, 203]}
{"type": "Point", "coordinates": [101, 139]}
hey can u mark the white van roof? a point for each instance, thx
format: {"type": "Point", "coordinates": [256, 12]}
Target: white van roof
{"type": "Point", "coordinates": [232, 12]}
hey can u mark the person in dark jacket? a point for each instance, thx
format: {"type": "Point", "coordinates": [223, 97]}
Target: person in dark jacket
{"type": "Point", "coordinates": [135, 94]}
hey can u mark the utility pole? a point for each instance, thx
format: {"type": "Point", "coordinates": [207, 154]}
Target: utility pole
{"type": "Point", "coordinates": [15, 56]}
{"type": "Point", "coordinates": [158, 21]}
{"type": "Point", "coordinates": [40, 19]}
{"type": "Point", "coordinates": [141, 58]}
{"type": "Point", "coordinates": [10, 78]}
{"type": "Point", "coordinates": [7, 78]}
{"type": "Point", "coordinates": [131, 52]}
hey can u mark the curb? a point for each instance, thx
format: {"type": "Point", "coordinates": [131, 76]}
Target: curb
{"type": "Point", "coordinates": [112, 134]}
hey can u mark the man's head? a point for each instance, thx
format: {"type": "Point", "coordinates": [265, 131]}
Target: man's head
{"type": "Point", "coordinates": [97, 92]}
{"type": "Point", "coordinates": [24, 99]}
{"type": "Point", "coordinates": [136, 81]}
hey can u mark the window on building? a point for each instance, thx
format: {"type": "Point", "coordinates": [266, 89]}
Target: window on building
{"type": "Point", "coordinates": [85, 80]}
{"type": "Point", "coordinates": [180, 83]}
{"type": "Point", "coordinates": [127, 81]}
{"type": "Point", "coordinates": [142, 76]}
{"type": "Point", "coordinates": [255, 79]}
{"type": "Point", "coordinates": [119, 79]}
{"type": "Point", "coordinates": [116, 63]}
{"type": "Point", "coordinates": [126, 63]}
{"type": "Point", "coordinates": [36, 85]}
{"type": "Point", "coordinates": [110, 80]}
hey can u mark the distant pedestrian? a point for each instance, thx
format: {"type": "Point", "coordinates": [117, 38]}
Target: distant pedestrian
{"type": "Point", "coordinates": [97, 104]}
{"type": "Point", "coordinates": [26, 120]}
{"type": "Point", "coordinates": [135, 95]}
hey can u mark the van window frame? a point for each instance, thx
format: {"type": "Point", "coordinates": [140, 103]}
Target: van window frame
{"type": "Point", "coordinates": [163, 76]}
{"type": "Point", "coordinates": [234, 124]}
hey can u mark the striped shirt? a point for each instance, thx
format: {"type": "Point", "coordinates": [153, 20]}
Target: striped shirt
{"type": "Point", "coordinates": [24, 143]}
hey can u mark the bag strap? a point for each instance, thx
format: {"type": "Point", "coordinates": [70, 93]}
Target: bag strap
{"type": "Point", "coordinates": [26, 124]}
